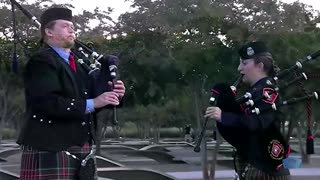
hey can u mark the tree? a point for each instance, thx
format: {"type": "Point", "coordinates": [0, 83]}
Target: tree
{"type": "Point", "coordinates": [200, 31]}
{"type": "Point", "coordinates": [28, 41]}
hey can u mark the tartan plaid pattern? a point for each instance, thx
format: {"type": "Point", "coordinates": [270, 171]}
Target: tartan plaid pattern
{"type": "Point", "coordinates": [239, 164]}
{"type": "Point", "coordinates": [43, 165]}
{"type": "Point", "coordinates": [252, 173]}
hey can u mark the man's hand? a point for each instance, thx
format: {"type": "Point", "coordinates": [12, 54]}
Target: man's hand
{"type": "Point", "coordinates": [119, 88]}
{"type": "Point", "coordinates": [213, 113]}
{"type": "Point", "coordinates": [106, 98]}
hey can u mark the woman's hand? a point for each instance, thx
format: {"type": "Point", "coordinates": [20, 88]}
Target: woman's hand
{"type": "Point", "coordinates": [213, 113]}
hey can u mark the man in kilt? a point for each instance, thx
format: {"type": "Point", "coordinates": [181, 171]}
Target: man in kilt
{"type": "Point", "coordinates": [59, 128]}
{"type": "Point", "coordinates": [260, 145]}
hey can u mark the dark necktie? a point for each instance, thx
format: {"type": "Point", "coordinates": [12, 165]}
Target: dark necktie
{"type": "Point", "coordinates": [72, 62]}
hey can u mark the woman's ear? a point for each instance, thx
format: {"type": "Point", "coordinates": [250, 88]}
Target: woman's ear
{"type": "Point", "coordinates": [261, 66]}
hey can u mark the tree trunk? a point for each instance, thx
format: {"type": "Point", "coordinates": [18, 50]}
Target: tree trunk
{"type": "Point", "coordinates": [104, 132]}
{"type": "Point", "coordinates": [147, 132]}
{"type": "Point", "coordinates": [116, 132]}
{"type": "Point", "coordinates": [203, 145]}
{"type": "Point", "coordinates": [204, 159]}
{"type": "Point", "coordinates": [304, 157]}
{"type": "Point", "coordinates": [102, 117]}
{"type": "Point", "coordinates": [290, 129]}
{"type": "Point", "coordinates": [215, 154]}
{"type": "Point", "coordinates": [4, 112]}
{"type": "Point", "coordinates": [140, 131]}
{"type": "Point", "coordinates": [316, 129]}
{"type": "Point", "coordinates": [197, 108]}
{"type": "Point", "coordinates": [158, 134]}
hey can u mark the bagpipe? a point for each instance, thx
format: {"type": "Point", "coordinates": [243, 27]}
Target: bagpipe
{"type": "Point", "coordinates": [215, 100]}
{"type": "Point", "coordinates": [275, 147]}
{"type": "Point", "coordinates": [102, 68]}
{"type": "Point", "coordinates": [247, 100]}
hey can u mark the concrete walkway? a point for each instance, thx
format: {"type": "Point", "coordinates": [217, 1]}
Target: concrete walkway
{"type": "Point", "coordinates": [222, 174]}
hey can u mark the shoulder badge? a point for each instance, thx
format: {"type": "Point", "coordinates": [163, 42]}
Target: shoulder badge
{"type": "Point", "coordinates": [272, 95]}
{"type": "Point", "coordinates": [276, 150]}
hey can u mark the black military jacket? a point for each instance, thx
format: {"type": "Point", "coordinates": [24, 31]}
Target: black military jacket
{"type": "Point", "coordinates": [250, 133]}
{"type": "Point", "coordinates": [55, 103]}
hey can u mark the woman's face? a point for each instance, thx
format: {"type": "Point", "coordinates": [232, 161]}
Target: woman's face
{"type": "Point", "coordinates": [249, 70]}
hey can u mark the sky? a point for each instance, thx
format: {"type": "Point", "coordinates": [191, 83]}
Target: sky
{"type": "Point", "coordinates": [314, 3]}
{"type": "Point", "coordinates": [120, 6]}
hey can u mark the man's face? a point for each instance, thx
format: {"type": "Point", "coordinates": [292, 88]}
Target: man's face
{"type": "Point", "coordinates": [249, 70]}
{"type": "Point", "coordinates": [62, 34]}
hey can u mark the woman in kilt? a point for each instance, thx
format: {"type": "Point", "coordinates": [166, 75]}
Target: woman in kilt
{"type": "Point", "coordinates": [260, 145]}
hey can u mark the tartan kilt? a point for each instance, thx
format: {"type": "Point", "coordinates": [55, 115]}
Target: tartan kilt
{"type": "Point", "coordinates": [239, 164]}
{"type": "Point", "coordinates": [43, 165]}
{"type": "Point", "coordinates": [253, 173]}
{"type": "Point", "coordinates": [246, 171]}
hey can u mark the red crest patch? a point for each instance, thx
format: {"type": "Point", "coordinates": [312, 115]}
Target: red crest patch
{"type": "Point", "coordinates": [272, 93]}
{"type": "Point", "coordinates": [276, 150]}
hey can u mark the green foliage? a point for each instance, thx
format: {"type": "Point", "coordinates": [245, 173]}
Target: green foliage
{"type": "Point", "coordinates": [173, 52]}
{"type": "Point", "coordinates": [9, 133]}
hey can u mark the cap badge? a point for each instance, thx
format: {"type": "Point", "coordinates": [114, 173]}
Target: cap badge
{"type": "Point", "coordinates": [250, 51]}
